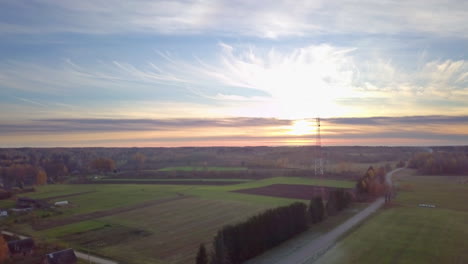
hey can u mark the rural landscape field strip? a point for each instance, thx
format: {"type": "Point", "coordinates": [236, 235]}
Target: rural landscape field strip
{"type": "Point", "coordinates": [293, 191]}
{"type": "Point", "coordinates": [130, 224]}
{"type": "Point", "coordinates": [169, 182]}
{"type": "Point", "coordinates": [177, 228]}
{"type": "Point", "coordinates": [98, 214]}
{"type": "Point", "coordinates": [196, 168]}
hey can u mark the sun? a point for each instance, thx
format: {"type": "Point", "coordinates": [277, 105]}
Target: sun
{"type": "Point", "coordinates": [301, 127]}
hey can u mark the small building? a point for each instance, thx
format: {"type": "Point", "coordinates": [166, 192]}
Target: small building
{"type": "Point", "coordinates": [66, 256]}
{"type": "Point", "coordinates": [61, 203]}
{"type": "Point", "coordinates": [21, 247]}
{"type": "Point", "coordinates": [3, 213]}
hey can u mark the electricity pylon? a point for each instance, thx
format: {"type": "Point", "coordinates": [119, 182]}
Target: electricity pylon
{"type": "Point", "coordinates": [318, 150]}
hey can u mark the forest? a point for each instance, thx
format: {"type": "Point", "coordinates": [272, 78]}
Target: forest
{"type": "Point", "coordinates": [440, 163]}
{"type": "Point", "coordinates": [29, 166]}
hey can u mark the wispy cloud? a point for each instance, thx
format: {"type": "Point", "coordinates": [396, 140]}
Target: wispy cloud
{"type": "Point", "coordinates": [106, 125]}
{"type": "Point", "coordinates": [248, 18]}
{"type": "Point", "coordinates": [315, 80]}
{"type": "Point", "coordinates": [405, 120]}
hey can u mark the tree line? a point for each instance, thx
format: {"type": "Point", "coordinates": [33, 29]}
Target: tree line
{"type": "Point", "coordinates": [46, 171]}
{"type": "Point", "coordinates": [234, 244]}
{"type": "Point", "coordinates": [440, 162]}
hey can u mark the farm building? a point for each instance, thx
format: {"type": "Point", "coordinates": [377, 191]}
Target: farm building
{"type": "Point", "coordinates": [66, 256]}
{"type": "Point", "coordinates": [21, 247]}
{"type": "Point", "coordinates": [61, 203]}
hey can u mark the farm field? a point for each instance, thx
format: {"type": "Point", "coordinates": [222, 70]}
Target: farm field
{"type": "Point", "coordinates": [290, 191]}
{"type": "Point", "coordinates": [173, 181]}
{"type": "Point", "coordinates": [179, 180]}
{"type": "Point", "coordinates": [407, 233]}
{"type": "Point", "coordinates": [197, 168]}
{"type": "Point", "coordinates": [150, 223]}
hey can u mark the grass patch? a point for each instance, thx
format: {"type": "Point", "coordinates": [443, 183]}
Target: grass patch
{"type": "Point", "coordinates": [195, 168]}
{"type": "Point", "coordinates": [406, 233]}
{"type": "Point", "coordinates": [179, 180]}
{"type": "Point", "coordinates": [7, 203]}
{"type": "Point", "coordinates": [81, 227]}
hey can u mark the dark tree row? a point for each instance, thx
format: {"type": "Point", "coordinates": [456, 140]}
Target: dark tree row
{"type": "Point", "coordinates": [440, 162]}
{"type": "Point", "coordinates": [316, 210]}
{"type": "Point", "coordinates": [237, 243]}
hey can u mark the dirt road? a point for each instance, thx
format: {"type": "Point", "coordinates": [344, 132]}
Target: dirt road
{"type": "Point", "coordinates": [93, 259]}
{"type": "Point", "coordinates": [317, 247]}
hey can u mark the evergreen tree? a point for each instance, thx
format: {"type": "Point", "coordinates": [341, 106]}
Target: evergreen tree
{"type": "Point", "coordinates": [202, 256]}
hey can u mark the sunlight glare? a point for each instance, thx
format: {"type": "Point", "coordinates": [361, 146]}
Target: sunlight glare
{"type": "Point", "coordinates": [301, 127]}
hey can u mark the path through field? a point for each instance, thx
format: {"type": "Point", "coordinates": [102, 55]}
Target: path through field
{"type": "Point", "coordinates": [93, 259]}
{"type": "Point", "coordinates": [319, 246]}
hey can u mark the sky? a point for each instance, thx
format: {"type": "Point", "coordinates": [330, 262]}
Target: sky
{"type": "Point", "coordinates": [152, 73]}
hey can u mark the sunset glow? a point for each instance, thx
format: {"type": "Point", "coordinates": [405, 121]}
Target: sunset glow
{"type": "Point", "coordinates": [184, 74]}
{"type": "Point", "coordinates": [301, 127]}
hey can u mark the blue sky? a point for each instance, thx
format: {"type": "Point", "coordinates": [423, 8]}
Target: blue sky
{"type": "Point", "coordinates": [223, 60]}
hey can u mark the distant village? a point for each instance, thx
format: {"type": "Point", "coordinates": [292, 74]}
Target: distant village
{"type": "Point", "coordinates": [25, 249]}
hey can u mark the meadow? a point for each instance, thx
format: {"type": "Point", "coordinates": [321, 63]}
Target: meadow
{"type": "Point", "coordinates": [202, 168]}
{"type": "Point", "coordinates": [151, 223]}
{"type": "Point", "coordinates": [406, 233]}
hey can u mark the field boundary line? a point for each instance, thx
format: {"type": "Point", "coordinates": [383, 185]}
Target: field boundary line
{"type": "Point", "coordinates": [103, 213]}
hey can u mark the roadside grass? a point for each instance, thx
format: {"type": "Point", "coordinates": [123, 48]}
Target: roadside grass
{"type": "Point", "coordinates": [406, 233]}
{"type": "Point", "coordinates": [196, 168]}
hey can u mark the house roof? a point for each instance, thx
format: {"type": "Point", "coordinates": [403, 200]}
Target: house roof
{"type": "Point", "coordinates": [20, 246]}
{"type": "Point", "coordinates": [66, 256]}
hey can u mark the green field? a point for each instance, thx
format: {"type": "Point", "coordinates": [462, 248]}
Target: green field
{"type": "Point", "coordinates": [179, 180]}
{"type": "Point", "coordinates": [406, 233]}
{"type": "Point", "coordinates": [168, 231]}
{"type": "Point", "coordinates": [196, 168]}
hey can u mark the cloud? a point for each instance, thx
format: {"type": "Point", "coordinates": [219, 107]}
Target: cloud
{"type": "Point", "coordinates": [314, 80]}
{"type": "Point", "coordinates": [109, 125]}
{"type": "Point", "coordinates": [412, 130]}
{"type": "Point", "coordinates": [384, 121]}
{"type": "Point", "coordinates": [326, 80]}
{"type": "Point", "coordinates": [246, 18]}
